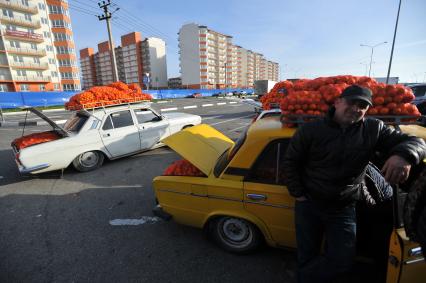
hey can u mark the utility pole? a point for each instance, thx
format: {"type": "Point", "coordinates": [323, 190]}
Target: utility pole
{"type": "Point", "coordinates": [107, 16]}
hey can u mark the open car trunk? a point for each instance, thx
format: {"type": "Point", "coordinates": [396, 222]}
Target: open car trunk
{"type": "Point", "coordinates": [36, 138]}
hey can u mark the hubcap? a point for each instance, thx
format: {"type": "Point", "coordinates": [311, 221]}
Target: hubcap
{"type": "Point", "coordinates": [88, 159]}
{"type": "Point", "coordinates": [235, 230]}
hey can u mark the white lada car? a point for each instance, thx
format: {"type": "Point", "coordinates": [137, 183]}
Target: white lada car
{"type": "Point", "coordinates": [91, 135]}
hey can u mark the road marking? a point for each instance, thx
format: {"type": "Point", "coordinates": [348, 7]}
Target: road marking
{"type": "Point", "coordinates": [189, 107]}
{"type": "Point", "coordinates": [60, 121]}
{"type": "Point", "coordinates": [207, 105]}
{"type": "Point", "coordinates": [134, 222]}
{"type": "Point", "coordinates": [53, 110]}
{"type": "Point", "coordinates": [233, 130]}
{"type": "Point", "coordinates": [221, 103]}
{"type": "Point", "coordinates": [233, 102]}
{"type": "Point", "coordinates": [212, 117]}
{"type": "Point", "coordinates": [221, 122]}
{"type": "Point", "coordinates": [162, 101]}
{"type": "Point", "coordinates": [168, 109]}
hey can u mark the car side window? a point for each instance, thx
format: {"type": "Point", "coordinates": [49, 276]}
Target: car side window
{"type": "Point", "coordinates": [118, 120]}
{"type": "Point", "coordinates": [267, 169]}
{"type": "Point", "coordinates": [145, 115]}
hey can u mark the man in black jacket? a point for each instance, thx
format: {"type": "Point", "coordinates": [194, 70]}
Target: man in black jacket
{"type": "Point", "coordinates": [325, 165]}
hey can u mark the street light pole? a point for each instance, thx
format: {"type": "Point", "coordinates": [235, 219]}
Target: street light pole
{"type": "Point", "coordinates": [372, 51]}
{"type": "Point", "coordinates": [393, 42]}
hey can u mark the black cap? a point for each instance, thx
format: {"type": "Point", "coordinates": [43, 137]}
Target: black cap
{"type": "Point", "coordinates": [355, 92]}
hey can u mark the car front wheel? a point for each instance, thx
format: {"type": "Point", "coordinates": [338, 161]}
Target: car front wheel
{"type": "Point", "coordinates": [235, 234]}
{"type": "Point", "coordinates": [88, 161]}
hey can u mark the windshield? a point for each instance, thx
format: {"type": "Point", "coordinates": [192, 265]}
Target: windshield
{"type": "Point", "coordinates": [75, 123]}
{"type": "Point", "coordinates": [225, 158]}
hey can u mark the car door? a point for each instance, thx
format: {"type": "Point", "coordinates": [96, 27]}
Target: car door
{"type": "Point", "coordinates": [119, 134]}
{"type": "Point", "coordinates": [152, 127]}
{"type": "Point", "coordinates": [266, 196]}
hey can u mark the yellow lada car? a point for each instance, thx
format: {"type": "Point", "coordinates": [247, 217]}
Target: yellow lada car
{"type": "Point", "coordinates": [243, 201]}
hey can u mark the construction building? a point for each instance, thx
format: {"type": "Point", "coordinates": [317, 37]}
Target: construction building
{"type": "Point", "coordinates": [37, 50]}
{"type": "Point", "coordinates": [209, 59]}
{"type": "Point", "coordinates": [136, 58]}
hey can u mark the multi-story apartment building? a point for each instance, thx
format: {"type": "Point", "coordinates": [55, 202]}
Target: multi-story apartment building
{"type": "Point", "coordinates": [135, 58]}
{"type": "Point", "coordinates": [209, 59]}
{"type": "Point", "coordinates": [37, 50]}
{"type": "Point", "coordinates": [154, 61]}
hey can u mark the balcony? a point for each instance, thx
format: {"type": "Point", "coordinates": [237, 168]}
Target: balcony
{"type": "Point", "coordinates": [22, 35]}
{"type": "Point", "coordinates": [32, 79]}
{"type": "Point", "coordinates": [26, 51]}
{"type": "Point", "coordinates": [18, 6]}
{"type": "Point", "coordinates": [28, 65]}
{"type": "Point", "coordinates": [20, 21]}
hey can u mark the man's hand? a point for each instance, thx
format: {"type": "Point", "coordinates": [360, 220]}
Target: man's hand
{"type": "Point", "coordinates": [302, 198]}
{"type": "Point", "coordinates": [396, 169]}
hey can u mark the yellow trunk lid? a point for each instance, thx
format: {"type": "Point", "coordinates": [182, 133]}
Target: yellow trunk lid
{"type": "Point", "coordinates": [201, 145]}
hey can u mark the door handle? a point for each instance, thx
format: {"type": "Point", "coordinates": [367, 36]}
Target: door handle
{"type": "Point", "coordinates": [106, 135]}
{"type": "Point", "coordinates": [256, 197]}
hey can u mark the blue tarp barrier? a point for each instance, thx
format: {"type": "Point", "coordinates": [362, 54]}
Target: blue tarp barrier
{"type": "Point", "coordinates": [51, 98]}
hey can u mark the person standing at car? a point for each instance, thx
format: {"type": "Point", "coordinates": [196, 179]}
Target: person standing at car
{"type": "Point", "coordinates": [324, 168]}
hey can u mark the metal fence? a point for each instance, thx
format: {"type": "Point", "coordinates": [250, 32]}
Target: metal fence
{"type": "Point", "coordinates": [53, 98]}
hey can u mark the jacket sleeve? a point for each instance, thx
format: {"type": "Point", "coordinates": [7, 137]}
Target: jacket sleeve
{"type": "Point", "coordinates": [294, 160]}
{"type": "Point", "coordinates": [411, 148]}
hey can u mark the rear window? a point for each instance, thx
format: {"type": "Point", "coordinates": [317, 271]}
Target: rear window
{"type": "Point", "coordinates": [419, 91]}
{"type": "Point", "coordinates": [228, 154]}
{"type": "Point", "coordinates": [75, 123]}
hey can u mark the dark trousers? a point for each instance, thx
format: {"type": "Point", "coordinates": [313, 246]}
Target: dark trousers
{"type": "Point", "coordinates": [339, 228]}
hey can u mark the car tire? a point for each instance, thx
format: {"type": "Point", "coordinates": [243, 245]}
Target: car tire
{"type": "Point", "coordinates": [235, 235]}
{"type": "Point", "coordinates": [88, 161]}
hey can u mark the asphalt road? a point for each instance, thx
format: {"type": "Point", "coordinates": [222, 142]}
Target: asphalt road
{"type": "Point", "coordinates": [55, 229]}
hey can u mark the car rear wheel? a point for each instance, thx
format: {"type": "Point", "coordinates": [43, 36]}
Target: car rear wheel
{"type": "Point", "coordinates": [235, 234]}
{"type": "Point", "coordinates": [88, 161]}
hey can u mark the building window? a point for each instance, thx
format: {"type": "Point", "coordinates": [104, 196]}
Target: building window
{"type": "Point", "coordinates": [15, 44]}
{"type": "Point", "coordinates": [24, 87]}
{"type": "Point", "coordinates": [46, 34]}
{"type": "Point", "coordinates": [44, 21]}
{"type": "Point", "coordinates": [34, 46]}
{"type": "Point", "coordinates": [54, 74]}
{"type": "Point", "coordinates": [18, 59]}
{"type": "Point", "coordinates": [41, 6]}
{"type": "Point", "coordinates": [8, 13]}
{"type": "Point", "coordinates": [57, 10]}
{"type": "Point", "coordinates": [27, 17]}
{"type": "Point", "coordinates": [42, 87]}
{"type": "Point", "coordinates": [49, 48]}
{"type": "Point", "coordinates": [24, 2]}
{"type": "Point", "coordinates": [9, 27]}
{"type": "Point", "coordinates": [3, 88]}
{"type": "Point", "coordinates": [56, 87]}
{"type": "Point", "coordinates": [21, 73]}
{"type": "Point", "coordinates": [64, 50]}
{"type": "Point", "coordinates": [39, 73]}
{"type": "Point", "coordinates": [51, 61]}
{"type": "Point", "coordinates": [36, 60]}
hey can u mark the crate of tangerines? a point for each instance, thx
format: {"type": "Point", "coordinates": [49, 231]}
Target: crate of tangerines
{"type": "Point", "coordinates": [314, 97]}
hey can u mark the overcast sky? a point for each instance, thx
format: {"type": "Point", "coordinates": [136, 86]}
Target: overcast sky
{"type": "Point", "coordinates": [308, 38]}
